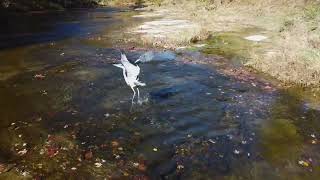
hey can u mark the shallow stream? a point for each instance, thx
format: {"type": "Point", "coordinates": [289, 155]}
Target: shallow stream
{"type": "Point", "coordinates": [66, 113]}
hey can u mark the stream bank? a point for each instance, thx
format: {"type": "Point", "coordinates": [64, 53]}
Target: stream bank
{"type": "Point", "coordinates": [289, 29]}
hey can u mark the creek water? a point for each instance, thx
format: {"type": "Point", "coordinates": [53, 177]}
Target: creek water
{"type": "Point", "coordinates": [66, 111]}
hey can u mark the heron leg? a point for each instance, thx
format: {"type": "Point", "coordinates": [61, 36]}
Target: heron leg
{"type": "Point", "coordinates": [139, 100]}
{"type": "Point", "coordinates": [138, 93]}
{"type": "Point", "coordinates": [134, 94]}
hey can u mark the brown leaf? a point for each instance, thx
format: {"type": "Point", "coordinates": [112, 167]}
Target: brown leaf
{"type": "Point", "coordinates": [114, 143]}
{"type": "Point", "coordinates": [142, 167]}
{"type": "Point", "coordinates": [52, 151]}
{"type": "Point", "coordinates": [88, 155]}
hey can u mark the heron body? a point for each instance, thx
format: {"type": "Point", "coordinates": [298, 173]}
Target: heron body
{"type": "Point", "coordinates": [130, 74]}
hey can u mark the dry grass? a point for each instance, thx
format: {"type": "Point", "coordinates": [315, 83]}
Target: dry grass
{"type": "Point", "coordinates": [174, 39]}
{"type": "Point", "coordinates": [118, 2]}
{"type": "Point", "coordinates": [293, 55]}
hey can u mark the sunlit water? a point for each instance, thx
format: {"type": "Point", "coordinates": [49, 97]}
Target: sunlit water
{"type": "Point", "coordinates": [66, 112]}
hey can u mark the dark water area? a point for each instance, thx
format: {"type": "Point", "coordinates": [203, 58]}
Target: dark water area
{"type": "Point", "coordinates": [39, 27]}
{"type": "Point", "coordinates": [66, 113]}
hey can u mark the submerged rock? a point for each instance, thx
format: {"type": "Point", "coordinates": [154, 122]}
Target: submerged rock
{"type": "Point", "coordinates": [164, 93]}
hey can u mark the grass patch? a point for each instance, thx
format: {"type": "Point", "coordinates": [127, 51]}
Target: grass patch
{"type": "Point", "coordinates": [120, 2]}
{"type": "Point", "coordinates": [292, 56]}
{"type": "Point", "coordinates": [295, 57]}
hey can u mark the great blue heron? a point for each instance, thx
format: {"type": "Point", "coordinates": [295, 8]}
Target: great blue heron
{"type": "Point", "coordinates": [130, 74]}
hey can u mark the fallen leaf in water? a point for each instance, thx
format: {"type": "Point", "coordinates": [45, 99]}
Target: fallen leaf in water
{"type": "Point", "coordinates": [180, 167]}
{"type": "Point", "coordinates": [39, 76]}
{"type": "Point", "coordinates": [88, 155]}
{"type": "Point", "coordinates": [268, 87]}
{"type": "Point", "coordinates": [25, 173]}
{"type": "Point", "coordinates": [117, 156]}
{"type": "Point", "coordinates": [40, 166]}
{"type": "Point", "coordinates": [135, 164]}
{"type": "Point", "coordinates": [38, 177]}
{"type": "Point", "coordinates": [22, 152]}
{"type": "Point", "coordinates": [103, 145]}
{"type": "Point", "coordinates": [114, 144]}
{"type": "Point", "coordinates": [2, 168]}
{"type": "Point", "coordinates": [142, 167]}
{"type": "Point", "coordinates": [52, 151]}
{"type": "Point", "coordinates": [137, 133]}
{"type": "Point", "coordinates": [41, 151]}
{"type": "Point", "coordinates": [44, 92]}
{"type": "Point", "coordinates": [97, 164]}
{"type": "Point", "coordinates": [140, 177]}
{"type": "Point", "coordinates": [236, 151]}
{"type": "Point", "coordinates": [303, 163]}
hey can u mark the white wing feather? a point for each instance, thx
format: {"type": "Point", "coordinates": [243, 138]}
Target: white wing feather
{"type": "Point", "coordinates": [118, 65]}
{"type": "Point", "coordinates": [132, 70]}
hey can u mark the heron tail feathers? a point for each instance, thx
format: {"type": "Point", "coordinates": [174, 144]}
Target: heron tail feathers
{"type": "Point", "coordinates": [138, 83]}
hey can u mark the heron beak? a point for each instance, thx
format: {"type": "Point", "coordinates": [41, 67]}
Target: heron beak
{"type": "Point", "coordinates": [137, 61]}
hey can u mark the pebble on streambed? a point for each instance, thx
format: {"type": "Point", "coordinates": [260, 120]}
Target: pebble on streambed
{"type": "Point", "coordinates": [256, 38]}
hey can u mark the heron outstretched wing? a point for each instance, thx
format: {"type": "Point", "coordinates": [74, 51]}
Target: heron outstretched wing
{"type": "Point", "coordinates": [119, 65]}
{"type": "Point", "coordinates": [131, 69]}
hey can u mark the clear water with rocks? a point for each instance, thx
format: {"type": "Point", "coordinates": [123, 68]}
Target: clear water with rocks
{"type": "Point", "coordinates": [65, 110]}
